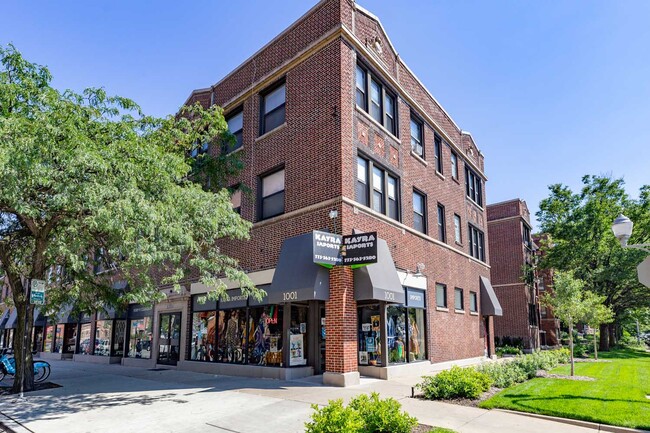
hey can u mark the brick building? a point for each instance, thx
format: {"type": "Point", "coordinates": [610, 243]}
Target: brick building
{"type": "Point", "coordinates": [549, 324]}
{"type": "Point", "coordinates": [513, 273]}
{"type": "Point", "coordinates": [337, 135]}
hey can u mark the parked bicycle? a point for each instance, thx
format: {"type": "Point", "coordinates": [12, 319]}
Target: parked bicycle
{"type": "Point", "coordinates": [42, 369]}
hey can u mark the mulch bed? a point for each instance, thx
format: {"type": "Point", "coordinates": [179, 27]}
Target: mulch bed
{"type": "Point", "coordinates": [542, 373]}
{"type": "Point", "coordinates": [467, 401]}
{"type": "Point", "coordinates": [421, 428]}
{"type": "Point", "coordinates": [6, 390]}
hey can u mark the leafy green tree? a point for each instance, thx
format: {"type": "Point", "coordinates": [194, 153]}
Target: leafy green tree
{"type": "Point", "coordinates": [89, 182]}
{"type": "Point", "coordinates": [581, 240]}
{"type": "Point", "coordinates": [596, 314]}
{"type": "Point", "coordinates": [567, 302]}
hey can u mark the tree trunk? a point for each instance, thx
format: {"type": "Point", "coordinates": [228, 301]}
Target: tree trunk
{"type": "Point", "coordinates": [571, 345]}
{"type": "Point", "coordinates": [22, 348]}
{"type": "Point", "coordinates": [612, 335]}
{"type": "Point", "coordinates": [604, 338]}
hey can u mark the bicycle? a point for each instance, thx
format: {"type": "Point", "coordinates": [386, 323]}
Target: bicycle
{"type": "Point", "coordinates": [42, 369]}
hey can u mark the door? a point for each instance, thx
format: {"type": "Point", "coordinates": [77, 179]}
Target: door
{"type": "Point", "coordinates": [169, 339]}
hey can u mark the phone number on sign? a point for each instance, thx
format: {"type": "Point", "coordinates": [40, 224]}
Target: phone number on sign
{"type": "Point", "coordinates": [328, 258]}
{"type": "Point", "coordinates": [360, 259]}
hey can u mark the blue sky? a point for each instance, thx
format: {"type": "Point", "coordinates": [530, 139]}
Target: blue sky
{"type": "Point", "coordinates": [551, 91]}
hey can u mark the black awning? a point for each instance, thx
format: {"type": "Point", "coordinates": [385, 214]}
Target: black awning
{"type": "Point", "coordinates": [39, 319]}
{"type": "Point", "coordinates": [297, 277]}
{"type": "Point", "coordinates": [139, 311]}
{"type": "Point", "coordinates": [111, 313]}
{"type": "Point", "coordinates": [490, 305]}
{"type": "Point", "coordinates": [11, 322]}
{"type": "Point", "coordinates": [379, 281]}
{"type": "Point", "coordinates": [3, 318]}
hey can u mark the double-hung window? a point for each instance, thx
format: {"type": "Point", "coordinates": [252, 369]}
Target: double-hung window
{"type": "Point", "coordinates": [273, 108]}
{"type": "Point", "coordinates": [458, 236]}
{"type": "Point", "coordinates": [417, 143]}
{"type": "Point", "coordinates": [473, 186]}
{"type": "Point", "coordinates": [437, 148]}
{"type": "Point", "coordinates": [236, 127]}
{"type": "Point", "coordinates": [419, 211]}
{"type": "Point", "coordinates": [441, 295]}
{"type": "Point", "coordinates": [377, 188]}
{"type": "Point", "coordinates": [373, 97]}
{"type": "Point", "coordinates": [454, 165]}
{"type": "Point", "coordinates": [271, 194]}
{"type": "Point", "coordinates": [476, 243]}
{"type": "Point", "coordinates": [235, 199]}
{"type": "Point", "coordinates": [473, 302]}
{"type": "Point", "coordinates": [526, 233]}
{"type": "Point", "coordinates": [442, 230]}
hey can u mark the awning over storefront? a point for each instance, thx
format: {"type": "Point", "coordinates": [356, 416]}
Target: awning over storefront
{"type": "Point", "coordinates": [139, 311]}
{"type": "Point", "coordinates": [490, 305]}
{"type": "Point", "coordinates": [11, 322]}
{"type": "Point", "coordinates": [297, 277]}
{"type": "Point", "coordinates": [39, 319]}
{"type": "Point", "coordinates": [66, 315]}
{"type": "Point", "coordinates": [3, 318]}
{"type": "Point", "coordinates": [111, 313]}
{"type": "Point", "coordinates": [379, 281]}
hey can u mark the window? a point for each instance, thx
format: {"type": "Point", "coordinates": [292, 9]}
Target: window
{"type": "Point", "coordinates": [236, 128]}
{"type": "Point", "coordinates": [543, 312]}
{"type": "Point", "coordinates": [362, 100]}
{"type": "Point", "coordinates": [272, 195]}
{"type": "Point", "coordinates": [476, 243]}
{"type": "Point", "coordinates": [416, 137]}
{"type": "Point", "coordinates": [473, 186]}
{"type": "Point", "coordinates": [526, 236]}
{"type": "Point", "coordinates": [441, 295]}
{"type": "Point", "coordinates": [473, 302]}
{"type": "Point", "coordinates": [458, 236]}
{"type": "Point", "coordinates": [437, 148]}
{"type": "Point", "coordinates": [103, 334]}
{"type": "Point", "coordinates": [273, 104]}
{"type": "Point", "coordinates": [454, 165]}
{"type": "Point", "coordinates": [442, 232]}
{"type": "Point", "coordinates": [419, 212]}
{"type": "Point", "coordinates": [202, 344]}
{"type": "Point", "coordinates": [459, 302]}
{"type": "Point", "coordinates": [235, 199]}
{"type": "Point", "coordinates": [140, 335]}
{"type": "Point", "coordinates": [200, 149]}
{"type": "Point", "coordinates": [373, 97]}
{"type": "Point", "coordinates": [379, 191]}
{"type": "Point", "coordinates": [362, 181]}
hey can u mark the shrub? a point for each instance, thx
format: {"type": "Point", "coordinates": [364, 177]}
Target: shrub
{"type": "Point", "coordinates": [523, 367]}
{"type": "Point", "coordinates": [508, 350]}
{"type": "Point", "coordinates": [364, 414]}
{"type": "Point", "coordinates": [454, 383]}
{"type": "Point", "coordinates": [503, 375]}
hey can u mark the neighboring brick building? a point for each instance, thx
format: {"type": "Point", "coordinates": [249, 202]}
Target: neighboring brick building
{"type": "Point", "coordinates": [513, 273]}
{"type": "Point", "coordinates": [549, 324]}
{"type": "Point", "coordinates": [337, 134]}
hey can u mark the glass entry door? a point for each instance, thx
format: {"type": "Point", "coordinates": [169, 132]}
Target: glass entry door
{"type": "Point", "coordinates": [169, 340]}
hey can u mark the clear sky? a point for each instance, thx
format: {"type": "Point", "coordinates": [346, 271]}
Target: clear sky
{"type": "Point", "coordinates": [550, 90]}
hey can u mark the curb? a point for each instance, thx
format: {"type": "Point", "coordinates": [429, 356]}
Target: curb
{"type": "Point", "coordinates": [9, 425]}
{"type": "Point", "coordinates": [593, 425]}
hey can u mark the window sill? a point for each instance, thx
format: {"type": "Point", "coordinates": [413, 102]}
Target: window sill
{"type": "Point", "coordinates": [239, 149]}
{"type": "Point", "coordinates": [473, 202]}
{"type": "Point", "coordinates": [446, 310]}
{"type": "Point", "coordinates": [459, 311]}
{"type": "Point", "coordinates": [473, 313]}
{"type": "Point", "coordinates": [440, 175]}
{"type": "Point", "coordinates": [460, 244]}
{"type": "Point", "coordinates": [374, 122]}
{"type": "Point", "coordinates": [455, 179]}
{"type": "Point", "coordinates": [419, 158]}
{"type": "Point", "coordinates": [266, 134]}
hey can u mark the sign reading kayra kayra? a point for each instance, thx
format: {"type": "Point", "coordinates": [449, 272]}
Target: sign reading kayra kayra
{"type": "Point", "coordinates": [353, 250]}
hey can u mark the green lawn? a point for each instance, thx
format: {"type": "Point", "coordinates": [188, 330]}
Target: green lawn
{"type": "Point", "coordinates": [617, 396]}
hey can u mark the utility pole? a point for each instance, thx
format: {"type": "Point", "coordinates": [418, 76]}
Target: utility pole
{"type": "Point", "coordinates": [25, 339]}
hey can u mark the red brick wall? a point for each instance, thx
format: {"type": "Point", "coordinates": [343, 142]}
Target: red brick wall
{"type": "Point", "coordinates": [341, 323]}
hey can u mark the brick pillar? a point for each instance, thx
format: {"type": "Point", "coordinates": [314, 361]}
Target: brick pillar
{"type": "Point", "coordinates": [341, 330]}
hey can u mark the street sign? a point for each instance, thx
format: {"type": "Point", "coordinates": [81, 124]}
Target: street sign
{"type": "Point", "coordinates": [644, 272]}
{"type": "Point", "coordinates": [37, 295]}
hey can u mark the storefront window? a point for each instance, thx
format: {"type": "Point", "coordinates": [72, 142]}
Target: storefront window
{"type": "Point", "coordinates": [103, 333]}
{"type": "Point", "coordinates": [369, 335]}
{"type": "Point", "coordinates": [49, 338]}
{"type": "Point", "coordinates": [203, 336]}
{"type": "Point", "coordinates": [396, 334]}
{"type": "Point", "coordinates": [417, 334]}
{"type": "Point", "coordinates": [298, 336]}
{"type": "Point", "coordinates": [84, 339]}
{"type": "Point", "coordinates": [140, 333]}
{"type": "Point", "coordinates": [232, 336]}
{"type": "Point", "coordinates": [265, 336]}
{"type": "Point", "coordinates": [38, 338]}
{"type": "Point", "coordinates": [119, 334]}
{"type": "Point", "coordinates": [58, 339]}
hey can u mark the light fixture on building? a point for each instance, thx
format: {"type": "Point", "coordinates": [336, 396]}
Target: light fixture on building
{"type": "Point", "coordinates": [418, 270]}
{"type": "Point", "coordinates": [334, 213]}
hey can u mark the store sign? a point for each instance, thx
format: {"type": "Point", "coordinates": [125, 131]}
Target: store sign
{"type": "Point", "coordinates": [327, 248]}
{"type": "Point", "coordinates": [359, 249]}
{"type": "Point", "coordinates": [415, 298]}
{"type": "Point", "coordinates": [37, 295]}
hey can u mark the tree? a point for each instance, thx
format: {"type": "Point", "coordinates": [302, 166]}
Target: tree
{"type": "Point", "coordinates": [579, 228]}
{"type": "Point", "coordinates": [567, 302]}
{"type": "Point", "coordinates": [89, 181]}
{"type": "Point", "coordinates": [596, 314]}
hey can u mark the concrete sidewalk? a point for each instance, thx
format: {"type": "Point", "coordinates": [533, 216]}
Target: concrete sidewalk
{"type": "Point", "coordinates": [108, 398]}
